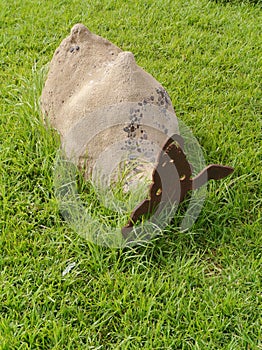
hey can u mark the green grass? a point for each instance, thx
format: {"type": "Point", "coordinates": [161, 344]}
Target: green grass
{"type": "Point", "coordinates": [196, 290]}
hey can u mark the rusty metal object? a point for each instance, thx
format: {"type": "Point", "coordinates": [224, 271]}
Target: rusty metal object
{"type": "Point", "coordinates": [172, 180]}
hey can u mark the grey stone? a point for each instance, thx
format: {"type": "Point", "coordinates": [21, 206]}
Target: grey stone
{"type": "Point", "coordinates": [98, 98]}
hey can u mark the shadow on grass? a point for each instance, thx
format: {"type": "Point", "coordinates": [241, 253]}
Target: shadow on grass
{"type": "Point", "coordinates": [238, 2]}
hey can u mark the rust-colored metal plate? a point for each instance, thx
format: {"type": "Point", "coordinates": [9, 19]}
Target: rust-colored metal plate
{"type": "Point", "coordinates": [172, 179]}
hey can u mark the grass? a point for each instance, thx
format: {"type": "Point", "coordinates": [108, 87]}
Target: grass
{"type": "Point", "coordinates": [197, 290]}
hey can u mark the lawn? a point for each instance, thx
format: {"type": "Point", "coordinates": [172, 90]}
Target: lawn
{"type": "Point", "coordinates": [195, 290]}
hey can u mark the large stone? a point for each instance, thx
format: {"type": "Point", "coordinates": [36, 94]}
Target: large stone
{"type": "Point", "coordinates": [101, 102]}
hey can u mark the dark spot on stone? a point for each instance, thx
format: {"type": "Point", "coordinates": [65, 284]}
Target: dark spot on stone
{"type": "Point", "coordinates": [152, 98]}
{"type": "Point", "coordinates": [139, 150]}
{"type": "Point", "coordinates": [145, 136]}
{"type": "Point", "coordinates": [145, 102]}
{"type": "Point", "coordinates": [140, 104]}
{"type": "Point", "coordinates": [63, 101]}
{"type": "Point", "coordinates": [132, 156]}
{"type": "Point", "coordinates": [141, 115]}
{"type": "Point", "coordinates": [72, 49]}
{"type": "Point", "coordinates": [77, 48]}
{"type": "Point", "coordinates": [132, 128]}
{"type": "Point", "coordinates": [126, 129]}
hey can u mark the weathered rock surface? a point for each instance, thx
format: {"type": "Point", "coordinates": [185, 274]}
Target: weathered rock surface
{"type": "Point", "coordinates": [96, 97]}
